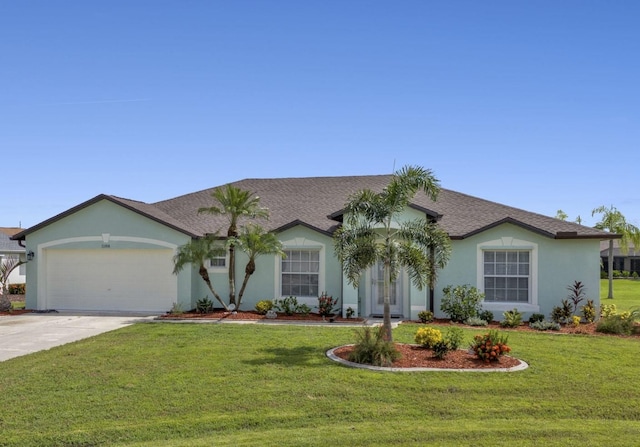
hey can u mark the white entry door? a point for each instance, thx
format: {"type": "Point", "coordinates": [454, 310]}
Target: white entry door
{"type": "Point", "coordinates": [377, 292]}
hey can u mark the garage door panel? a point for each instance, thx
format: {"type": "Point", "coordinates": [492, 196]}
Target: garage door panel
{"type": "Point", "coordinates": [113, 280]}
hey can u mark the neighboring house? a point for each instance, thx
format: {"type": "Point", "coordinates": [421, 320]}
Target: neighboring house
{"type": "Point", "coordinates": [115, 254]}
{"type": "Point", "coordinates": [629, 262]}
{"type": "Point", "coordinates": [12, 249]}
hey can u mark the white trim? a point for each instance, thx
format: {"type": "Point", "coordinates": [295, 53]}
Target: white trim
{"type": "Point", "coordinates": [301, 243]}
{"type": "Point", "coordinates": [510, 243]}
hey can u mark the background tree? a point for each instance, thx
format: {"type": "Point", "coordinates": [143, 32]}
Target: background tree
{"type": "Point", "coordinates": [372, 233]}
{"type": "Point", "coordinates": [254, 241]}
{"type": "Point", "coordinates": [613, 221]}
{"type": "Point", "coordinates": [197, 252]}
{"type": "Point", "coordinates": [7, 265]}
{"type": "Point", "coordinates": [235, 203]}
{"type": "Point", "coordinates": [563, 216]}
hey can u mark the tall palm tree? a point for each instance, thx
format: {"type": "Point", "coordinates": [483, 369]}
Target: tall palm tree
{"type": "Point", "coordinates": [614, 221]}
{"type": "Point", "coordinates": [255, 242]}
{"type": "Point", "coordinates": [235, 203]}
{"type": "Point", "coordinates": [197, 252]}
{"type": "Point", "coordinates": [372, 233]}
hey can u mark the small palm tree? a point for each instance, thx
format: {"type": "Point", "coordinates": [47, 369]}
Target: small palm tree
{"type": "Point", "coordinates": [235, 203]}
{"type": "Point", "coordinates": [614, 221]}
{"type": "Point", "coordinates": [372, 233]}
{"type": "Point", "coordinates": [196, 253]}
{"type": "Point", "coordinates": [255, 241]}
{"type": "Point", "coordinates": [7, 266]}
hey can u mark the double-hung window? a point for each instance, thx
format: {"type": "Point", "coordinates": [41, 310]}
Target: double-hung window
{"type": "Point", "coordinates": [507, 276]}
{"type": "Point", "coordinates": [218, 262]}
{"type": "Point", "coordinates": [300, 273]}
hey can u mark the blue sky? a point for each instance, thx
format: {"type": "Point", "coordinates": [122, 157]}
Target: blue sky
{"type": "Point", "coordinates": [534, 104]}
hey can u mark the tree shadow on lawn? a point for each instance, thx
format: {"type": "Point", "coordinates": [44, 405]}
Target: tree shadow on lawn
{"type": "Point", "coordinates": [298, 356]}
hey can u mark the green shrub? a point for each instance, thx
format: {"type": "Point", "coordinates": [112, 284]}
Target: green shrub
{"type": "Point", "coordinates": [461, 302]}
{"type": "Point", "coordinates": [624, 274]}
{"type": "Point", "coordinates": [616, 273]}
{"type": "Point", "coordinates": [290, 306]}
{"type": "Point", "coordinates": [264, 306]}
{"type": "Point", "coordinates": [427, 336]}
{"type": "Point", "coordinates": [372, 349]}
{"type": "Point", "coordinates": [635, 275]}
{"type": "Point", "coordinates": [476, 321]}
{"type": "Point", "coordinates": [17, 289]}
{"type": "Point", "coordinates": [490, 346]}
{"type": "Point", "coordinates": [615, 324]}
{"type": "Point", "coordinates": [204, 305]}
{"type": "Point", "coordinates": [544, 326]}
{"type": "Point", "coordinates": [562, 314]}
{"type": "Point", "coordinates": [486, 315]}
{"type": "Point", "coordinates": [425, 316]}
{"type": "Point", "coordinates": [535, 318]}
{"type": "Point", "coordinates": [512, 318]}
{"type": "Point", "coordinates": [454, 337]}
{"type": "Point", "coordinates": [589, 311]}
{"type": "Point", "coordinates": [350, 312]}
{"type": "Point", "coordinates": [450, 342]}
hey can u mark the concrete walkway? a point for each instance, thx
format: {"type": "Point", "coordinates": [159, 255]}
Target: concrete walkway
{"type": "Point", "coordinates": [27, 333]}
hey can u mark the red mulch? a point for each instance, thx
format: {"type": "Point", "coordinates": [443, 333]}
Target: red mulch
{"type": "Point", "coordinates": [252, 315]}
{"type": "Point", "coordinates": [418, 357]}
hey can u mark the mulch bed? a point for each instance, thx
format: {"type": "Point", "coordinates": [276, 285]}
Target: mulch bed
{"type": "Point", "coordinates": [413, 356]}
{"type": "Point", "coordinates": [252, 315]}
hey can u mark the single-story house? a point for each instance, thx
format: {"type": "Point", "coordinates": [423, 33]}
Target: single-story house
{"type": "Point", "coordinates": [12, 249]}
{"type": "Point", "coordinates": [628, 262]}
{"type": "Point", "coordinates": [115, 254]}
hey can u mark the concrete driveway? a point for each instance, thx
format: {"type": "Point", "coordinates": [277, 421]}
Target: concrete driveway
{"type": "Point", "coordinates": [27, 333]}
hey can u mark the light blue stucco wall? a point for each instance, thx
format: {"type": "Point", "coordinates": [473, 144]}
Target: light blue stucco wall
{"type": "Point", "coordinates": [264, 284]}
{"type": "Point", "coordinates": [559, 263]}
{"type": "Point", "coordinates": [89, 223]}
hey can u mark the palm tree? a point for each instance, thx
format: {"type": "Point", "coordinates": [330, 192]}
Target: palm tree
{"type": "Point", "coordinates": [372, 233]}
{"type": "Point", "coordinates": [614, 222]}
{"type": "Point", "coordinates": [255, 242]}
{"type": "Point", "coordinates": [197, 252]}
{"type": "Point", "coordinates": [7, 266]}
{"type": "Point", "coordinates": [235, 203]}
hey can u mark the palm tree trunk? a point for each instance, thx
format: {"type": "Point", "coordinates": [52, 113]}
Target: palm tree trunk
{"type": "Point", "coordinates": [610, 269]}
{"type": "Point", "coordinates": [205, 276]}
{"type": "Point", "coordinates": [232, 275]}
{"type": "Point", "coordinates": [386, 318]}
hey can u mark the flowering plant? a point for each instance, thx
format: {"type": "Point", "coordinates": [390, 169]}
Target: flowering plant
{"type": "Point", "coordinates": [327, 305]}
{"type": "Point", "coordinates": [490, 346]}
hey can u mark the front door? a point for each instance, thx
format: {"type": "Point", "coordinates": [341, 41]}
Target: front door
{"type": "Point", "coordinates": [377, 292]}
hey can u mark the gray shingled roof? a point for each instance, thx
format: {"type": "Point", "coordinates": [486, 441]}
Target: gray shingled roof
{"type": "Point", "coordinates": [6, 244]}
{"type": "Point", "coordinates": [311, 201]}
{"type": "Point", "coordinates": [604, 249]}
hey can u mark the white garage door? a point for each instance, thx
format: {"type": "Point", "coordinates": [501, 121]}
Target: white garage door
{"type": "Point", "coordinates": [111, 280]}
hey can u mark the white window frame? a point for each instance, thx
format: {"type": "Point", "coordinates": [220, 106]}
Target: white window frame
{"type": "Point", "coordinates": [219, 268]}
{"type": "Point", "coordinates": [510, 244]}
{"type": "Point", "coordinates": [303, 244]}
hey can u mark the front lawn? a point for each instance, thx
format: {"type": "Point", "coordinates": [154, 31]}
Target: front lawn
{"type": "Point", "coordinates": [234, 385]}
{"type": "Point", "coordinates": [626, 293]}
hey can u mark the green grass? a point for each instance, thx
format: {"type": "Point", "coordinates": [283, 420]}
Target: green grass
{"type": "Point", "coordinates": [626, 293]}
{"type": "Point", "coordinates": [257, 385]}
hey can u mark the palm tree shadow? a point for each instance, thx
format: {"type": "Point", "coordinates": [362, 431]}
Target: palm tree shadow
{"type": "Point", "coordinates": [298, 356]}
